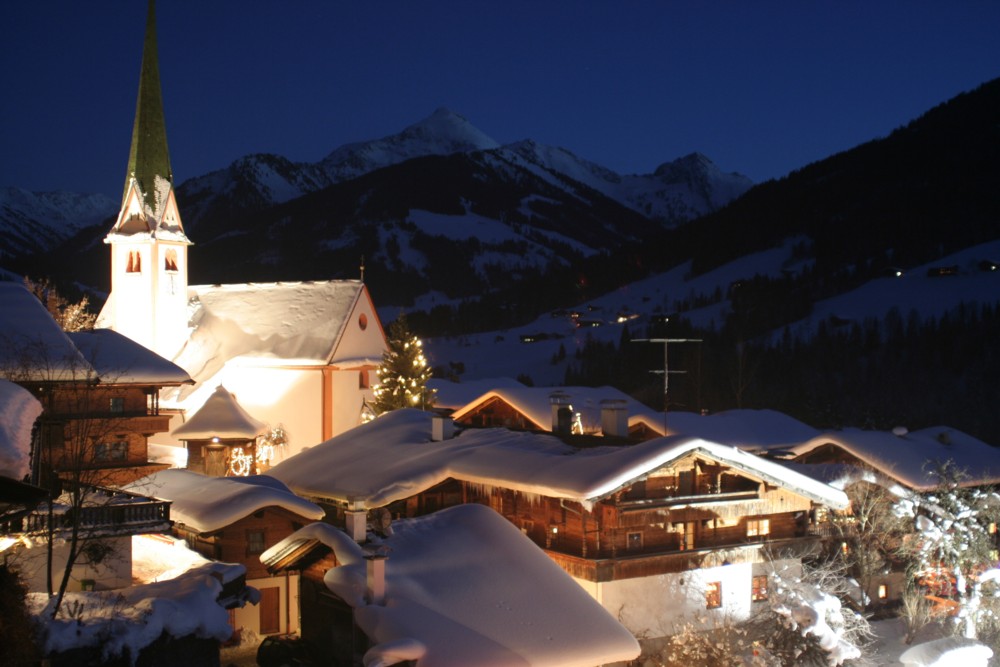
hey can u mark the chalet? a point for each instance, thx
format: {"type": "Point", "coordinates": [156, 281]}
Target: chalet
{"type": "Point", "coordinates": [300, 353]}
{"type": "Point", "coordinates": [234, 520]}
{"type": "Point", "coordinates": [601, 410]}
{"type": "Point", "coordinates": [899, 461]}
{"type": "Point", "coordinates": [903, 457]}
{"type": "Point", "coordinates": [657, 531]}
{"type": "Point", "coordinates": [583, 410]}
{"type": "Point", "coordinates": [99, 391]}
{"type": "Point", "coordinates": [396, 599]}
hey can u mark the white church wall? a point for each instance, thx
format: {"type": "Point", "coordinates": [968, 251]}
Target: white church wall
{"type": "Point", "coordinates": [133, 302]}
{"type": "Point", "coordinates": [362, 336]}
{"type": "Point", "coordinates": [348, 396]}
{"type": "Point", "coordinates": [290, 397]}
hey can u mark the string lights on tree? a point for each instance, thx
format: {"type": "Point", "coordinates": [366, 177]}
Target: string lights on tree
{"type": "Point", "coordinates": [404, 372]}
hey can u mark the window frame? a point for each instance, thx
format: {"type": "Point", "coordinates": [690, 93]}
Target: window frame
{"type": "Point", "coordinates": [713, 595]}
{"type": "Point", "coordinates": [759, 588]}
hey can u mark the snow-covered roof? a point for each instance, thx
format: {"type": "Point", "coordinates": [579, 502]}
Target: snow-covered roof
{"type": "Point", "coordinates": [32, 345]}
{"type": "Point", "coordinates": [910, 457]}
{"type": "Point", "coordinates": [206, 504]}
{"type": "Point", "coordinates": [133, 618]}
{"type": "Point", "coordinates": [392, 458]}
{"type": "Point", "coordinates": [464, 587]}
{"type": "Point", "coordinates": [120, 360]}
{"type": "Point", "coordinates": [18, 412]}
{"type": "Point", "coordinates": [535, 403]}
{"type": "Point", "coordinates": [282, 323]}
{"type": "Point", "coordinates": [454, 395]}
{"type": "Point", "coordinates": [220, 417]}
{"type": "Point", "coordinates": [752, 430]}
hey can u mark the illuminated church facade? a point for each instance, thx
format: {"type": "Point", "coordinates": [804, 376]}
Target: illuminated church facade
{"type": "Point", "coordinates": [299, 355]}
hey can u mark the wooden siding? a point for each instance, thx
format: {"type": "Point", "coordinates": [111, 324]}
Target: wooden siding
{"type": "Point", "coordinates": [497, 412]}
{"type": "Point", "coordinates": [232, 543]}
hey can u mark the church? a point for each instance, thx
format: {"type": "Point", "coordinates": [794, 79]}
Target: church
{"type": "Point", "coordinates": [299, 356]}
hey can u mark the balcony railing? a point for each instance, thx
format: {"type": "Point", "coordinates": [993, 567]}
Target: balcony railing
{"type": "Point", "coordinates": [626, 566]}
{"type": "Point", "coordinates": [107, 511]}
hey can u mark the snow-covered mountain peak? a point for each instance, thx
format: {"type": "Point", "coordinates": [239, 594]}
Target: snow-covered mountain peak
{"type": "Point", "coordinates": [442, 133]}
{"type": "Point", "coordinates": [451, 131]}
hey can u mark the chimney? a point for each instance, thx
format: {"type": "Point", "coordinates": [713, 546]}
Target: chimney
{"type": "Point", "coordinates": [356, 520]}
{"type": "Point", "coordinates": [614, 418]}
{"type": "Point", "coordinates": [562, 412]}
{"type": "Point", "coordinates": [375, 584]}
{"type": "Point", "coordinates": [442, 428]}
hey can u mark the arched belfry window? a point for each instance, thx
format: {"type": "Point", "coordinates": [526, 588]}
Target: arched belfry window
{"type": "Point", "coordinates": [134, 262]}
{"type": "Point", "coordinates": [170, 260]}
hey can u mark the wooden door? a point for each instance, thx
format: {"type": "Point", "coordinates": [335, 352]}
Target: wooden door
{"type": "Point", "coordinates": [270, 610]}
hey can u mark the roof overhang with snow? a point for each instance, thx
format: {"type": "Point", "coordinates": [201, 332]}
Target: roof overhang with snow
{"type": "Point", "coordinates": [393, 458]}
{"type": "Point", "coordinates": [514, 605]}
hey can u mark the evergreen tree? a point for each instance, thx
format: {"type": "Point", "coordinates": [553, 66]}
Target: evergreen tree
{"type": "Point", "coordinates": [404, 372]}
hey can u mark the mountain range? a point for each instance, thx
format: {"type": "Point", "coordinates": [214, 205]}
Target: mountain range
{"type": "Point", "coordinates": [879, 257]}
{"type": "Point", "coordinates": [286, 220]}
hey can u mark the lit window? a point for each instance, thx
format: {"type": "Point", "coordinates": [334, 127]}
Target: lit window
{"type": "Point", "coordinates": [758, 591]}
{"type": "Point", "coordinates": [170, 260]}
{"type": "Point", "coordinates": [255, 541]}
{"type": "Point", "coordinates": [111, 451]}
{"type": "Point", "coordinates": [363, 382]}
{"type": "Point", "coordinates": [713, 595]}
{"type": "Point", "coordinates": [883, 591]}
{"type": "Point", "coordinates": [758, 527]}
{"type": "Point", "coordinates": [134, 262]}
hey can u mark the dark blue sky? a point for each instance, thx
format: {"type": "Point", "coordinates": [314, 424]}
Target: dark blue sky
{"type": "Point", "coordinates": [760, 87]}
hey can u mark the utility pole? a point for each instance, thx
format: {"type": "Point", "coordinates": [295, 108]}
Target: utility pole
{"type": "Point", "coordinates": [666, 367]}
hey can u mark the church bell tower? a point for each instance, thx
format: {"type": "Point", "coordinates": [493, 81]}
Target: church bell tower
{"type": "Point", "coordinates": [148, 301]}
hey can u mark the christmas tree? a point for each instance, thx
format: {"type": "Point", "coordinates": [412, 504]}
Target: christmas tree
{"type": "Point", "coordinates": [404, 372]}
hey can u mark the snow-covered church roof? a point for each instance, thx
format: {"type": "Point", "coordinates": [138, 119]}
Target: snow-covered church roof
{"type": "Point", "coordinates": [392, 458]}
{"type": "Point", "coordinates": [911, 457]}
{"type": "Point", "coordinates": [206, 504]}
{"type": "Point", "coordinates": [220, 417]}
{"type": "Point", "coordinates": [271, 323]}
{"type": "Point", "coordinates": [463, 587]}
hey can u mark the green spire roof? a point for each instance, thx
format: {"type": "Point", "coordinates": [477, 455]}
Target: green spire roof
{"type": "Point", "coordinates": [149, 156]}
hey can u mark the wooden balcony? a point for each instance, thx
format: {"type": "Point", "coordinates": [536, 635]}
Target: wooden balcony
{"type": "Point", "coordinates": [107, 512]}
{"type": "Point", "coordinates": [628, 566]}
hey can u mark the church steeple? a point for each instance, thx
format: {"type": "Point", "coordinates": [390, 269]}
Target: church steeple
{"type": "Point", "coordinates": [148, 157]}
{"type": "Point", "coordinates": [148, 301]}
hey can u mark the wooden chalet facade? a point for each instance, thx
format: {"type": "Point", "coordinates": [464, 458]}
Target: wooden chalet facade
{"type": "Point", "coordinates": [233, 521]}
{"type": "Point", "coordinates": [242, 542]}
{"type": "Point", "coordinates": [701, 522]}
{"type": "Point", "coordinates": [672, 519]}
{"type": "Point", "coordinates": [98, 432]}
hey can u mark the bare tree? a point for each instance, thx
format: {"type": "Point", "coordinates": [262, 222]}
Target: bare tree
{"type": "Point", "coordinates": [69, 315]}
{"type": "Point", "coordinates": [867, 537]}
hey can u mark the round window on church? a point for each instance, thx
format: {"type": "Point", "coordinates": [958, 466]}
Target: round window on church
{"type": "Point", "coordinates": [363, 321]}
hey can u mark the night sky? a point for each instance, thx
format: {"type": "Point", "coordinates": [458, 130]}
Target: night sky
{"type": "Point", "coordinates": [760, 87]}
